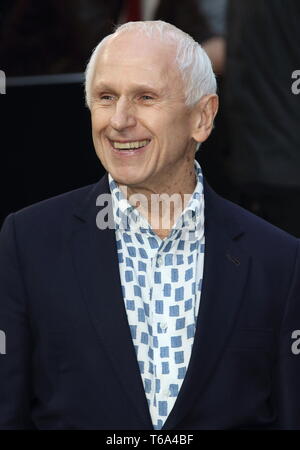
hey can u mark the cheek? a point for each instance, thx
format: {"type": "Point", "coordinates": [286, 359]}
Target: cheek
{"type": "Point", "coordinates": [175, 134]}
{"type": "Point", "coordinates": [98, 120]}
{"type": "Point", "coordinates": [97, 127]}
{"type": "Point", "coordinates": [181, 130]}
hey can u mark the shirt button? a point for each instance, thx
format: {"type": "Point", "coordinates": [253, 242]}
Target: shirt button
{"type": "Point", "coordinates": [159, 260]}
{"type": "Point", "coordinates": [164, 326]}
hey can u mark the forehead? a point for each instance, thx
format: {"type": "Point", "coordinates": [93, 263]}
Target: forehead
{"type": "Point", "coordinates": [138, 56]}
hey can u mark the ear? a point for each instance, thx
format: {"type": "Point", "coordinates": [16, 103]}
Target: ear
{"type": "Point", "coordinates": [203, 117]}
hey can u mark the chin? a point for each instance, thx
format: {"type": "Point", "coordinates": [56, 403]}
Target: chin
{"type": "Point", "coordinates": [125, 176]}
{"type": "Point", "coordinates": [128, 181]}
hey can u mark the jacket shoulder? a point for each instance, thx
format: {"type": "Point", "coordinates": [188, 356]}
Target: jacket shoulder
{"type": "Point", "coordinates": [49, 215]}
{"type": "Point", "coordinates": [255, 225]}
{"type": "Point", "coordinates": [258, 237]}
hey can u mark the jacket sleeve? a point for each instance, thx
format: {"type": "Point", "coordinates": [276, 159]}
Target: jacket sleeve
{"type": "Point", "coordinates": [15, 339]}
{"type": "Point", "coordinates": [287, 380]}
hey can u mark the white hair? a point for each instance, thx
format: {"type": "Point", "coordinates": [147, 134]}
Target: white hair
{"type": "Point", "coordinates": [192, 61]}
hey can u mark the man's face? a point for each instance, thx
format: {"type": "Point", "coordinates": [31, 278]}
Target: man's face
{"type": "Point", "coordinates": [138, 97]}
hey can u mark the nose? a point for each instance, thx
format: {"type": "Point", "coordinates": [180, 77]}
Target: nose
{"type": "Point", "coordinates": [123, 115]}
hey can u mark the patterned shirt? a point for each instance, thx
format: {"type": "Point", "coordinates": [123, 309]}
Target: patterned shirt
{"type": "Point", "coordinates": [161, 284]}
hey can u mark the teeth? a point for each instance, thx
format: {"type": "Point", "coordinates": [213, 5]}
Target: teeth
{"type": "Point", "coordinates": [130, 145]}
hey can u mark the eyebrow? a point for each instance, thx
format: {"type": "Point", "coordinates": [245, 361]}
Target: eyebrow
{"type": "Point", "coordinates": [135, 88]}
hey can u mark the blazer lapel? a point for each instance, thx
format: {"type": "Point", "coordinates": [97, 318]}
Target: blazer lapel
{"type": "Point", "coordinates": [97, 269]}
{"type": "Point", "coordinates": [224, 279]}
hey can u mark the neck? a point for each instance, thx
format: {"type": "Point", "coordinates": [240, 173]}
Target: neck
{"type": "Point", "coordinates": [162, 205]}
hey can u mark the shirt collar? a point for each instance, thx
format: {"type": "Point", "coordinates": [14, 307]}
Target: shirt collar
{"type": "Point", "coordinates": [191, 220]}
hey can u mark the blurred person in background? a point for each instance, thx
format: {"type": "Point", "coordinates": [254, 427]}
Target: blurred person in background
{"type": "Point", "coordinates": [214, 12]}
{"type": "Point", "coordinates": [262, 110]}
{"type": "Point", "coordinates": [52, 36]}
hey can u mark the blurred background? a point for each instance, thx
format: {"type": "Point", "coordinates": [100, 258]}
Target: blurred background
{"type": "Point", "coordinates": [253, 155]}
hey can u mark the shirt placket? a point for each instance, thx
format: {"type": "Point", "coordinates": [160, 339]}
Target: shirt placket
{"type": "Point", "coordinates": [161, 324]}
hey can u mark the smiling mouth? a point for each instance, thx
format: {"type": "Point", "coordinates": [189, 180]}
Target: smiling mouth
{"type": "Point", "coordinates": [131, 145]}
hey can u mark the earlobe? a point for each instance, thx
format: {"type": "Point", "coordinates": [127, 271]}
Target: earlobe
{"type": "Point", "coordinates": [205, 112]}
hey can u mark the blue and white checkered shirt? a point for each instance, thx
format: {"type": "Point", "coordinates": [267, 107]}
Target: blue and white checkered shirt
{"type": "Point", "coordinates": [161, 283]}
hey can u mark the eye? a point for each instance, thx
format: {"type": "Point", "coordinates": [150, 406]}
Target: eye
{"type": "Point", "coordinates": [106, 97]}
{"type": "Point", "coordinates": [147, 97]}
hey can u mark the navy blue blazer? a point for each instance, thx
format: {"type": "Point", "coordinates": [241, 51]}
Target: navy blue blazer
{"type": "Point", "coordinates": [70, 362]}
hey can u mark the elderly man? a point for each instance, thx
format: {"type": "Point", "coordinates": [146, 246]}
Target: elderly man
{"type": "Point", "coordinates": [146, 301]}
